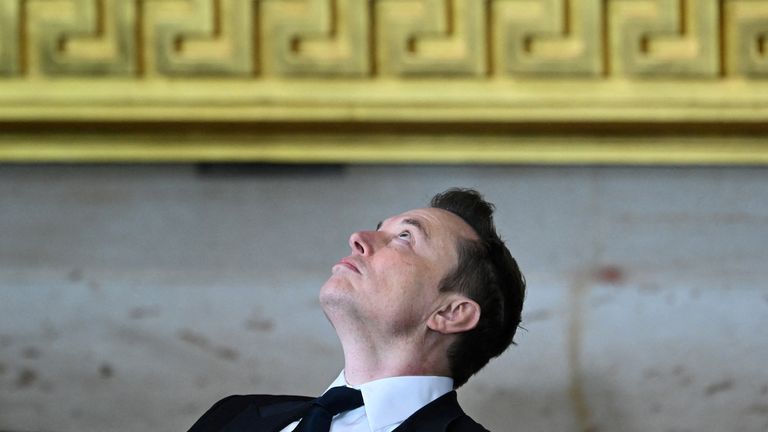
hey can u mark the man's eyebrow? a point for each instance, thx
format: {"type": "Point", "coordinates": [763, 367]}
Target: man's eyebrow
{"type": "Point", "coordinates": [417, 223]}
{"type": "Point", "coordinates": [413, 222]}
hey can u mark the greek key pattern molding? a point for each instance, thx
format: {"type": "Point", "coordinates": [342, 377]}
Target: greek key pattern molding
{"type": "Point", "coordinates": [355, 39]}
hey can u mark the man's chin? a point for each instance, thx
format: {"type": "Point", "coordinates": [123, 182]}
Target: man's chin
{"type": "Point", "coordinates": [335, 294]}
{"type": "Point", "coordinates": [339, 309]}
{"type": "Point", "coordinates": [337, 281]}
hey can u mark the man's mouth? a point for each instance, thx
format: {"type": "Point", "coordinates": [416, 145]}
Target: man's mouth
{"type": "Point", "coordinates": [349, 264]}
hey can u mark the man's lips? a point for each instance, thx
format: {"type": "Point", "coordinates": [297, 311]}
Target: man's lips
{"type": "Point", "coordinates": [349, 264]}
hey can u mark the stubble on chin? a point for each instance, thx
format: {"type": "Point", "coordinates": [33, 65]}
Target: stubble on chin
{"type": "Point", "coordinates": [334, 294]}
{"type": "Point", "coordinates": [337, 301]}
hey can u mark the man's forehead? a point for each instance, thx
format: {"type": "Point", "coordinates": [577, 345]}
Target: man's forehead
{"type": "Point", "coordinates": [433, 219]}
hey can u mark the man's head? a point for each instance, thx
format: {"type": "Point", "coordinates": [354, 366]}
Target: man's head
{"type": "Point", "coordinates": [436, 276]}
{"type": "Point", "coordinates": [488, 274]}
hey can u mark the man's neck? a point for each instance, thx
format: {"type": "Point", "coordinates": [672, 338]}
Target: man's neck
{"type": "Point", "coordinates": [366, 360]}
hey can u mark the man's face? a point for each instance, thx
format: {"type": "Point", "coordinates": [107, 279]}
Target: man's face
{"type": "Point", "coordinates": [390, 281]}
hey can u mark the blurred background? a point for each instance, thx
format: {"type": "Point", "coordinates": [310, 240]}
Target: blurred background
{"type": "Point", "coordinates": [133, 297]}
{"type": "Point", "coordinates": [177, 178]}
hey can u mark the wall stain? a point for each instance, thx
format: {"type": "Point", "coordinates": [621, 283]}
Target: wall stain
{"type": "Point", "coordinates": [757, 409]}
{"type": "Point", "coordinates": [718, 387]}
{"type": "Point", "coordinates": [193, 338]}
{"type": "Point", "coordinates": [30, 353]}
{"type": "Point", "coordinates": [141, 312]}
{"type": "Point", "coordinates": [204, 344]}
{"type": "Point", "coordinates": [75, 275]}
{"type": "Point", "coordinates": [106, 371]}
{"type": "Point", "coordinates": [686, 379]}
{"type": "Point", "coordinates": [651, 373]}
{"type": "Point", "coordinates": [226, 353]}
{"type": "Point", "coordinates": [260, 325]}
{"type": "Point", "coordinates": [576, 392]}
{"type": "Point", "coordinates": [26, 378]}
{"type": "Point", "coordinates": [610, 275]}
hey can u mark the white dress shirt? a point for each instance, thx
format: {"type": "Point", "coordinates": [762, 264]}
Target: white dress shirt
{"type": "Point", "coordinates": [387, 402]}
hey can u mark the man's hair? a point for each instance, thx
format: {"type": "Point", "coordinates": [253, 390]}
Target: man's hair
{"type": "Point", "coordinates": [486, 273]}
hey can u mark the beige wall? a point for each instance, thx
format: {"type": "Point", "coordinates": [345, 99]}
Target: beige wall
{"type": "Point", "coordinates": [132, 298]}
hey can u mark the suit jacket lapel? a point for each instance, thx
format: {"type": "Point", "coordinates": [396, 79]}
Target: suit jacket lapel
{"type": "Point", "coordinates": [269, 418]}
{"type": "Point", "coordinates": [435, 416]}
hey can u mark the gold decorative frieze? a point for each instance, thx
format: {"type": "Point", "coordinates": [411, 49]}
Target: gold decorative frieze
{"type": "Point", "coordinates": [552, 37]}
{"type": "Point", "coordinates": [746, 36]}
{"type": "Point", "coordinates": [385, 61]}
{"type": "Point", "coordinates": [268, 39]}
{"type": "Point", "coordinates": [666, 37]}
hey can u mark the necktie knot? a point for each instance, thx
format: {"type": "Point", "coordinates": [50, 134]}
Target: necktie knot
{"type": "Point", "coordinates": [334, 401]}
{"type": "Point", "coordinates": [340, 399]}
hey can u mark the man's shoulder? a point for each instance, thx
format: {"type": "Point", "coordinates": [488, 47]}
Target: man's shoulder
{"type": "Point", "coordinates": [229, 407]}
{"type": "Point", "coordinates": [465, 423]}
{"type": "Point", "coordinates": [235, 401]}
{"type": "Point", "coordinates": [443, 414]}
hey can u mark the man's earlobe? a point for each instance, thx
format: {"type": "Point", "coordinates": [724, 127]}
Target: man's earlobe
{"type": "Point", "coordinates": [458, 315]}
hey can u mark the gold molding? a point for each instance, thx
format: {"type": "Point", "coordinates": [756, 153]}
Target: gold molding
{"type": "Point", "coordinates": [407, 62]}
{"type": "Point", "coordinates": [437, 143]}
{"type": "Point", "coordinates": [394, 149]}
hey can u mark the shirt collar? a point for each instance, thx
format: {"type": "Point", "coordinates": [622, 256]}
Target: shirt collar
{"type": "Point", "coordinates": [391, 400]}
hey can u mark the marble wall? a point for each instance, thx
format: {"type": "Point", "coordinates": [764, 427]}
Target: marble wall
{"type": "Point", "coordinates": [132, 297]}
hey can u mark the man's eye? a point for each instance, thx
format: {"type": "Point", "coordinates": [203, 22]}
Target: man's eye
{"type": "Point", "coordinates": [405, 235]}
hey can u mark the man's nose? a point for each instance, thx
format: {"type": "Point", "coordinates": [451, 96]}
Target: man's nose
{"type": "Point", "coordinates": [362, 242]}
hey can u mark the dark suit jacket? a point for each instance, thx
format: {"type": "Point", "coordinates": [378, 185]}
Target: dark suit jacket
{"type": "Point", "coordinates": [266, 413]}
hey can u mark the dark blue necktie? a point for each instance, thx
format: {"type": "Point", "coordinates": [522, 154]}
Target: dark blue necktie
{"type": "Point", "coordinates": [334, 401]}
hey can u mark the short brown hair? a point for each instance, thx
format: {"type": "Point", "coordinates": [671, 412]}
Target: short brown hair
{"type": "Point", "coordinates": [486, 273]}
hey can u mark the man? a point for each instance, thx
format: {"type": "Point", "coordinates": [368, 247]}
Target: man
{"type": "Point", "coordinates": [420, 305]}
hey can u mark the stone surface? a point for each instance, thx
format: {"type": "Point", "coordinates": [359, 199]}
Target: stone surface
{"type": "Point", "coordinates": [133, 297]}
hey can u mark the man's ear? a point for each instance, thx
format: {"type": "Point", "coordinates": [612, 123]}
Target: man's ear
{"type": "Point", "coordinates": [456, 315]}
